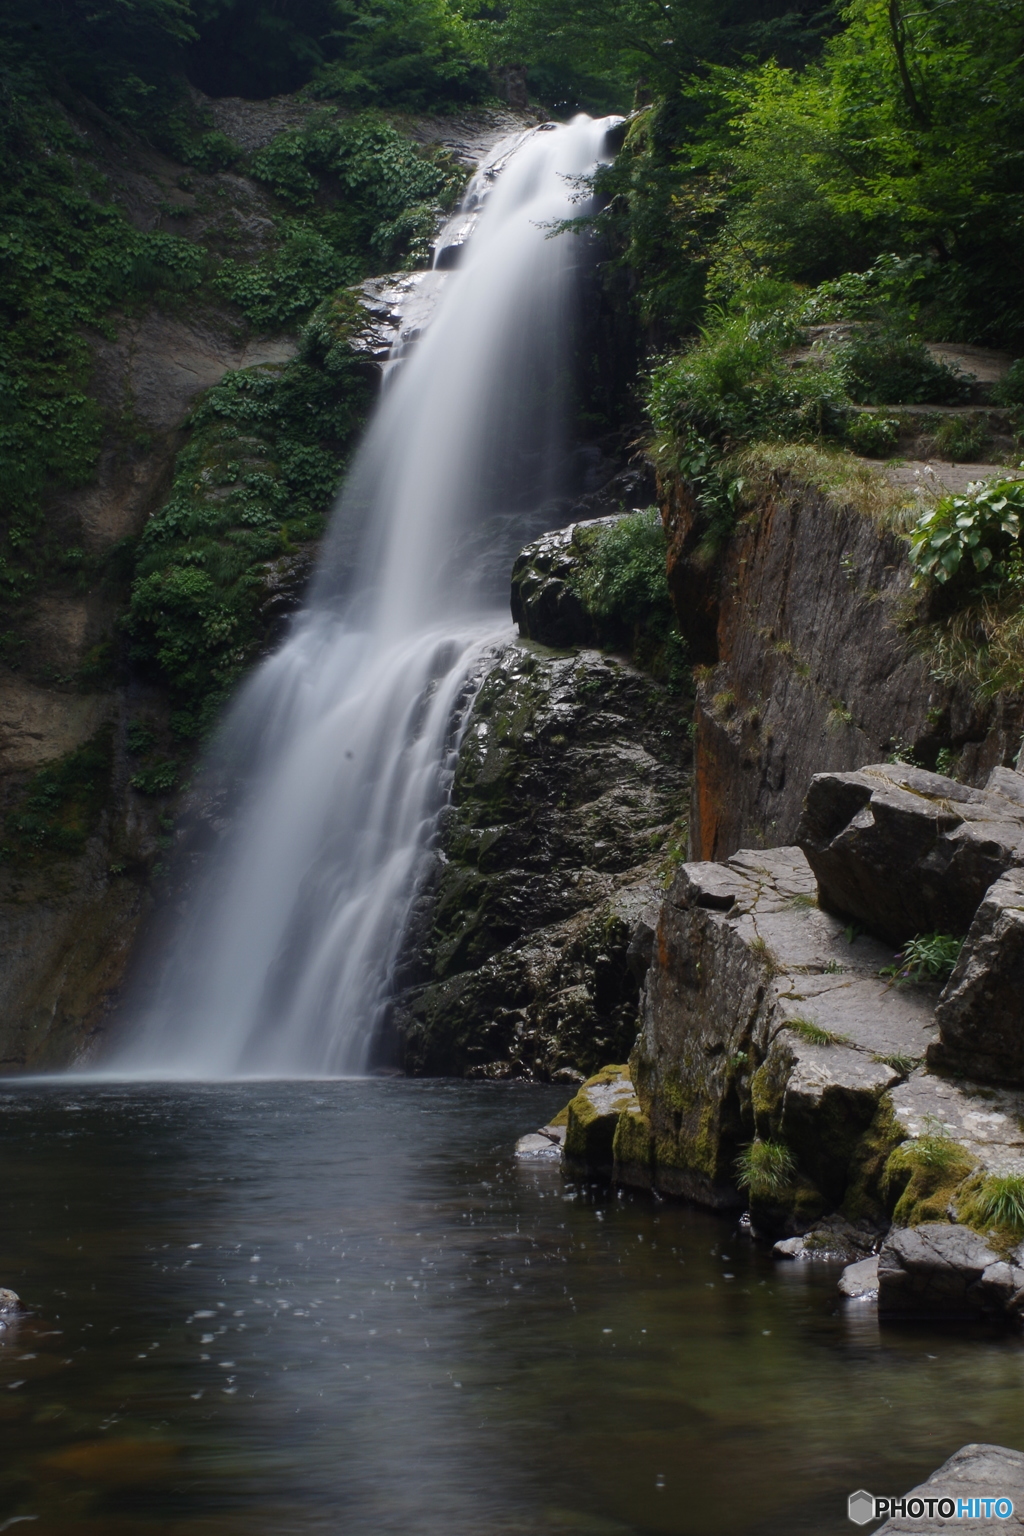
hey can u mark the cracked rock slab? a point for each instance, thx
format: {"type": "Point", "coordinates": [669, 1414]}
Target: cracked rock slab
{"type": "Point", "coordinates": [904, 851]}
{"type": "Point", "coordinates": [987, 1122]}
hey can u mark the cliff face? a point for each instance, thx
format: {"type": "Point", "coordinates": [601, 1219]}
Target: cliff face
{"type": "Point", "coordinates": [806, 666]}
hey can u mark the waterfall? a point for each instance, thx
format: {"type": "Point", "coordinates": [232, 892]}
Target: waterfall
{"type": "Point", "coordinates": [342, 746]}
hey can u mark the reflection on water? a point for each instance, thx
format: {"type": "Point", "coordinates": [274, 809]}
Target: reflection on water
{"type": "Point", "coordinates": [341, 1307]}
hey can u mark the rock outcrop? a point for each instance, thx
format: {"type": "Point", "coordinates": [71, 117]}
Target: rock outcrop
{"type": "Point", "coordinates": [522, 959]}
{"type": "Point", "coordinates": [904, 851]}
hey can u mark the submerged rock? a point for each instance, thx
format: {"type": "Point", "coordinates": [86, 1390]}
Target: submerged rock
{"type": "Point", "coordinates": [10, 1301]}
{"type": "Point", "coordinates": [905, 851]}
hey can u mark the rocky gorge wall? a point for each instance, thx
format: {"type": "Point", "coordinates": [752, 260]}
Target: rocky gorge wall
{"type": "Point", "coordinates": [805, 663]}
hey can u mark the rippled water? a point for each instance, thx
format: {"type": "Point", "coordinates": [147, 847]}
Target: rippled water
{"type": "Point", "coordinates": [342, 1307]}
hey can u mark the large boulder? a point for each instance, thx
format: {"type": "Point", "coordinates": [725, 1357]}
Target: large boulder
{"type": "Point", "coordinates": [981, 1011]}
{"type": "Point", "coordinates": [975, 1472]}
{"type": "Point", "coordinates": [932, 1271]}
{"type": "Point", "coordinates": [904, 851]}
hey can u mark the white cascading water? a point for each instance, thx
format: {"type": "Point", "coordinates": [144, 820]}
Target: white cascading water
{"type": "Point", "coordinates": [344, 741]}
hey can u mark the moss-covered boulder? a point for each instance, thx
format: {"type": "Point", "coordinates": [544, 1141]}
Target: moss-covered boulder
{"type": "Point", "coordinates": [593, 1119]}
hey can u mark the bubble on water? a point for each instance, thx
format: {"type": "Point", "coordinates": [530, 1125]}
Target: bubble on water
{"type": "Point", "coordinates": [659, 1481]}
{"type": "Point", "coordinates": [207, 1338]}
{"type": "Point", "coordinates": [204, 1314]}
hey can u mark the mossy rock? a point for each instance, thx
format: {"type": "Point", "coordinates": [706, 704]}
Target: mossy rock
{"type": "Point", "coordinates": [592, 1118]}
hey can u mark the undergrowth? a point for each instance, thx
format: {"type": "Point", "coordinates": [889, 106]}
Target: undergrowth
{"type": "Point", "coordinates": [765, 1169]}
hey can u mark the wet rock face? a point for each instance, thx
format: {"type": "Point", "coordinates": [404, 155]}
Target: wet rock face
{"type": "Point", "coordinates": [550, 863]}
{"type": "Point", "coordinates": [981, 1012]}
{"type": "Point", "coordinates": [905, 851]}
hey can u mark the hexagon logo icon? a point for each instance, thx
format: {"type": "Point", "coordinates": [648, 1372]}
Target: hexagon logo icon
{"type": "Point", "coordinates": [861, 1506]}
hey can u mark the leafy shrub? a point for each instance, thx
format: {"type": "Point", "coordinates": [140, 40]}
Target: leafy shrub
{"type": "Point", "coordinates": [872, 435]}
{"type": "Point", "coordinates": [765, 1169]}
{"type": "Point", "coordinates": [961, 439]}
{"type": "Point", "coordinates": [970, 534]}
{"type": "Point", "coordinates": [159, 779]}
{"type": "Point", "coordinates": [622, 582]}
{"type": "Point", "coordinates": [255, 480]}
{"type": "Point", "coordinates": [882, 367]}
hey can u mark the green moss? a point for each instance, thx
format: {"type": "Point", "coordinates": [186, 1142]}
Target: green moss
{"type": "Point", "coordinates": [590, 1126]}
{"type": "Point", "coordinates": [993, 1204]}
{"type": "Point", "coordinates": [922, 1177]}
{"type": "Point", "coordinates": [864, 1198]}
{"type": "Point", "coordinates": [61, 804]}
{"type": "Point", "coordinates": [633, 1144]}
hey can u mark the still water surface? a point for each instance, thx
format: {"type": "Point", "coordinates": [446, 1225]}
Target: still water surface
{"type": "Point", "coordinates": [342, 1307]}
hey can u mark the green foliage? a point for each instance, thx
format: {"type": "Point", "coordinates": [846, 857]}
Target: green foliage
{"type": "Point", "coordinates": [420, 55]}
{"type": "Point", "coordinates": [257, 477]}
{"type": "Point", "coordinates": [67, 255]}
{"type": "Point", "coordinates": [61, 804]}
{"type": "Point", "coordinates": [365, 199]}
{"type": "Point", "coordinates": [158, 779]}
{"type": "Point", "coordinates": [622, 582]}
{"type": "Point", "coordinates": [965, 537]}
{"type": "Point", "coordinates": [928, 957]}
{"type": "Point", "coordinates": [872, 435]}
{"type": "Point", "coordinates": [900, 1061]}
{"type": "Point", "coordinates": [765, 1169]}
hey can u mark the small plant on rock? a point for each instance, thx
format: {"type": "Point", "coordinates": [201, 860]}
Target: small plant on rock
{"type": "Point", "coordinates": [814, 1034]}
{"type": "Point", "coordinates": [999, 1201]}
{"type": "Point", "coordinates": [928, 957]}
{"type": "Point", "coordinates": [765, 1169]}
{"type": "Point", "coordinates": [962, 439]}
{"type": "Point", "coordinates": [900, 1062]}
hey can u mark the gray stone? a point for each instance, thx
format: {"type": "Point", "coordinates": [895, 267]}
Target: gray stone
{"type": "Point", "coordinates": [974, 1471]}
{"type": "Point", "coordinates": [860, 1281]}
{"type": "Point", "coordinates": [930, 1272]}
{"type": "Point", "coordinates": [987, 1122]}
{"type": "Point", "coordinates": [904, 851]}
{"type": "Point", "coordinates": [981, 1011]}
{"type": "Point", "coordinates": [789, 1248]}
{"type": "Point", "coordinates": [593, 1120]}
{"type": "Point", "coordinates": [538, 1145]}
{"type": "Point", "coordinates": [10, 1301]}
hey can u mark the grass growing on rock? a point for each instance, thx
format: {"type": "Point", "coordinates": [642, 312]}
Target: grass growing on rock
{"type": "Point", "coordinates": [814, 1034]}
{"type": "Point", "coordinates": [922, 1177]}
{"type": "Point", "coordinates": [765, 1169]}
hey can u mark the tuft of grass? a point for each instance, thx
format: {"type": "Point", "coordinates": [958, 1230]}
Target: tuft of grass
{"type": "Point", "coordinates": [765, 1169]}
{"type": "Point", "coordinates": [939, 1153]}
{"type": "Point", "coordinates": [999, 1201]}
{"type": "Point", "coordinates": [762, 950]}
{"type": "Point", "coordinates": [813, 1033]}
{"type": "Point", "coordinates": [900, 1061]}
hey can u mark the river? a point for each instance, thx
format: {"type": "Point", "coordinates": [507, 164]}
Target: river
{"type": "Point", "coordinates": [304, 1307]}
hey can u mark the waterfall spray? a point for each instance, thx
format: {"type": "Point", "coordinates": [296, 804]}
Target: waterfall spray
{"type": "Point", "coordinates": [345, 740]}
